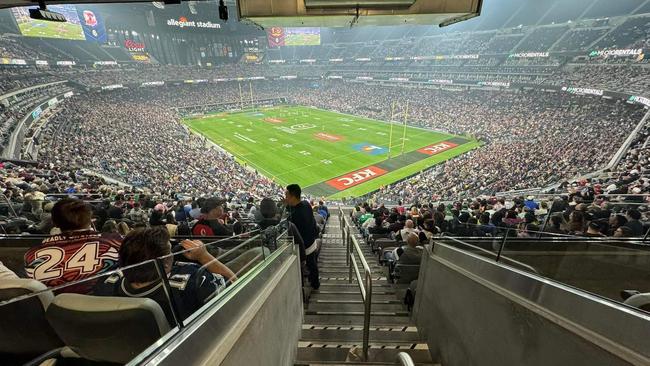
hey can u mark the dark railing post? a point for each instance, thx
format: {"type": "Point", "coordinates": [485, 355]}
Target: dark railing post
{"type": "Point", "coordinates": [503, 243]}
{"type": "Point", "coordinates": [168, 292]}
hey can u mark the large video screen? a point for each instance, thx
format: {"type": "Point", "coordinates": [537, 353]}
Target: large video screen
{"type": "Point", "coordinates": [71, 29]}
{"type": "Point", "coordinates": [303, 36]}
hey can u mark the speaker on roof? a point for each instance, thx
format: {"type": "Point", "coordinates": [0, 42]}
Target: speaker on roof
{"type": "Point", "coordinates": [44, 14]}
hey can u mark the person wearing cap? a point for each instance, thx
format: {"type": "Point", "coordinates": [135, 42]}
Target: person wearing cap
{"type": "Point", "coordinates": [212, 222]}
{"type": "Point", "coordinates": [300, 213]}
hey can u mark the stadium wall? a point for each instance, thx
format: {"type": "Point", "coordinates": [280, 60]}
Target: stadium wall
{"type": "Point", "coordinates": [522, 319]}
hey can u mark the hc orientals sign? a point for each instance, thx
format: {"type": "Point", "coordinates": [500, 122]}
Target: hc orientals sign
{"type": "Point", "coordinates": [355, 178]}
{"type": "Point", "coordinates": [183, 22]}
{"type": "Point", "coordinates": [152, 83]}
{"type": "Point", "coordinates": [638, 99]}
{"type": "Point", "coordinates": [529, 55]}
{"type": "Point", "coordinates": [617, 53]}
{"type": "Point", "coordinates": [582, 91]}
{"type": "Point", "coordinates": [501, 84]}
{"type": "Point", "coordinates": [441, 81]}
{"type": "Point", "coordinates": [112, 87]}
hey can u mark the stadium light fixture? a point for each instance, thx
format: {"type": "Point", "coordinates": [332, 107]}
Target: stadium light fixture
{"type": "Point", "coordinates": [43, 14]}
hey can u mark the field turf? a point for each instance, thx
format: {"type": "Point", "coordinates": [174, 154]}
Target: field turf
{"type": "Point", "coordinates": [38, 28]}
{"type": "Point", "coordinates": [329, 154]}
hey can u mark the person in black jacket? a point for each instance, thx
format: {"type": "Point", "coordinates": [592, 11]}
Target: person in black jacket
{"type": "Point", "coordinates": [634, 223]}
{"type": "Point", "coordinates": [301, 215]}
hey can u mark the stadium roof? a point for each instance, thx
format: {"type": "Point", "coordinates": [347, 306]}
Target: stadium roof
{"type": "Point", "coordinates": [339, 13]}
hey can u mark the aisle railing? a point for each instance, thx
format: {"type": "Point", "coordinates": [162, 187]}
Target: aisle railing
{"type": "Point", "coordinates": [365, 284]}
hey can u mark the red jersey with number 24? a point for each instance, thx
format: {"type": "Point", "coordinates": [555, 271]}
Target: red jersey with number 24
{"type": "Point", "coordinates": [71, 257]}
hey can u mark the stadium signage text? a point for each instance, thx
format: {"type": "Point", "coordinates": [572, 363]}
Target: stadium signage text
{"type": "Point", "coordinates": [364, 78]}
{"type": "Point", "coordinates": [288, 77]}
{"type": "Point", "coordinates": [399, 79]}
{"type": "Point", "coordinates": [503, 84]}
{"type": "Point", "coordinates": [617, 53]}
{"type": "Point", "coordinates": [12, 61]}
{"type": "Point", "coordinates": [529, 54]}
{"type": "Point", "coordinates": [362, 59]}
{"type": "Point", "coordinates": [104, 63]}
{"type": "Point", "coordinates": [582, 91]}
{"type": "Point", "coordinates": [277, 61]}
{"type": "Point", "coordinates": [153, 83]}
{"type": "Point", "coordinates": [356, 177]}
{"type": "Point", "coordinates": [134, 46]}
{"type": "Point", "coordinates": [335, 77]}
{"type": "Point", "coordinates": [183, 22]}
{"type": "Point", "coordinates": [112, 87]}
{"type": "Point", "coordinates": [41, 62]}
{"type": "Point", "coordinates": [638, 99]}
{"type": "Point", "coordinates": [336, 60]}
{"type": "Point", "coordinates": [66, 63]}
{"type": "Point", "coordinates": [441, 81]}
{"type": "Point", "coordinates": [437, 148]}
{"type": "Point", "coordinates": [308, 61]}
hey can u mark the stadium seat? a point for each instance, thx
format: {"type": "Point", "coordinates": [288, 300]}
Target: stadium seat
{"type": "Point", "coordinates": [24, 330]}
{"type": "Point", "coordinates": [106, 329]}
{"type": "Point", "coordinates": [641, 301]}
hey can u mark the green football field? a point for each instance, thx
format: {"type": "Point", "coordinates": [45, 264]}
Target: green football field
{"type": "Point", "coordinates": [38, 28]}
{"type": "Point", "coordinates": [329, 154]}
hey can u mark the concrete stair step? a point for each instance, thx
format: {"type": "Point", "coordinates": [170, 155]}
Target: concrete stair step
{"type": "Point", "coordinates": [356, 320]}
{"type": "Point", "coordinates": [309, 354]}
{"type": "Point", "coordinates": [352, 296]}
{"type": "Point", "coordinates": [346, 335]}
{"type": "Point", "coordinates": [319, 307]}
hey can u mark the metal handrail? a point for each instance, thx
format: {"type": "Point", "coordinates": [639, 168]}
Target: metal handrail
{"type": "Point", "coordinates": [365, 284]}
{"type": "Point", "coordinates": [405, 359]}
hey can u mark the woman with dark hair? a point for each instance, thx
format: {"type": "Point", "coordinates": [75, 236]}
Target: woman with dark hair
{"type": "Point", "coordinates": [156, 218]}
{"type": "Point", "coordinates": [554, 224]}
{"type": "Point", "coordinates": [171, 224]}
{"type": "Point", "coordinates": [576, 225]}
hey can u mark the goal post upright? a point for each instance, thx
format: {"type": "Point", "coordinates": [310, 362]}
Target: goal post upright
{"type": "Point", "coordinates": [241, 98]}
{"type": "Point", "coordinates": [390, 122]}
{"type": "Point", "coordinates": [406, 113]}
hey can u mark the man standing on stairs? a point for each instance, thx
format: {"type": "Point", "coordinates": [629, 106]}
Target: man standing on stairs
{"type": "Point", "coordinates": [300, 214]}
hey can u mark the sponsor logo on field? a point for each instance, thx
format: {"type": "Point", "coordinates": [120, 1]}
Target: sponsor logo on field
{"type": "Point", "coordinates": [328, 137]}
{"type": "Point", "coordinates": [437, 148]}
{"type": "Point", "coordinates": [370, 149]}
{"type": "Point", "coordinates": [273, 120]}
{"type": "Point", "coordinates": [356, 177]}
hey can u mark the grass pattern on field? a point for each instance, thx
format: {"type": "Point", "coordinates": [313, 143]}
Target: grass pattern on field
{"type": "Point", "coordinates": [304, 159]}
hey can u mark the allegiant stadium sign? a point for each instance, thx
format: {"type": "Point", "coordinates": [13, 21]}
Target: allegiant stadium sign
{"type": "Point", "coordinates": [183, 22]}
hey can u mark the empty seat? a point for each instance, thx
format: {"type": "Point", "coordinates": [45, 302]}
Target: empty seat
{"type": "Point", "coordinates": [108, 329]}
{"type": "Point", "coordinates": [24, 330]}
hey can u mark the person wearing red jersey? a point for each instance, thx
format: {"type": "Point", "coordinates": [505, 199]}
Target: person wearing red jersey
{"type": "Point", "coordinates": [79, 252]}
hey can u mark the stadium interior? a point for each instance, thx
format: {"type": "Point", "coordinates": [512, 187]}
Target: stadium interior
{"type": "Point", "coordinates": [311, 183]}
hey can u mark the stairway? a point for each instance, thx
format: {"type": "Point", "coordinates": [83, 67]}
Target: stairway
{"type": "Point", "coordinates": [334, 314]}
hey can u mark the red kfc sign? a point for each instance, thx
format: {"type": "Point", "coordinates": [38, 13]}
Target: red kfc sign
{"type": "Point", "coordinates": [356, 178]}
{"type": "Point", "coordinates": [437, 148]}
